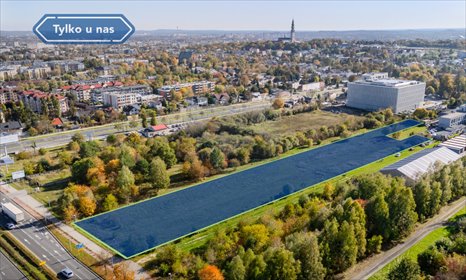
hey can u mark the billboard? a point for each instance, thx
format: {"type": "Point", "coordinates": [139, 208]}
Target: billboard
{"type": "Point", "coordinates": [17, 174]}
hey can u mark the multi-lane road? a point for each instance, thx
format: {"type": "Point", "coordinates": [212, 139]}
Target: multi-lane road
{"type": "Point", "coordinates": [100, 132]}
{"type": "Point", "coordinates": [8, 271]}
{"type": "Point", "coordinates": [35, 236]}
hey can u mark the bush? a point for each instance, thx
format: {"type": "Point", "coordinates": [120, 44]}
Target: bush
{"type": "Point", "coordinates": [42, 151]}
{"type": "Point", "coordinates": [23, 155]}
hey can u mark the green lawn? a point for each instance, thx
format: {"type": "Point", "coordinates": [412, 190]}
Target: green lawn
{"type": "Point", "coordinates": [418, 248]}
{"type": "Point", "coordinates": [406, 133]}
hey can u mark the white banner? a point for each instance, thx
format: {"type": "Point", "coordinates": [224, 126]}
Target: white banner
{"type": "Point", "coordinates": [18, 174]}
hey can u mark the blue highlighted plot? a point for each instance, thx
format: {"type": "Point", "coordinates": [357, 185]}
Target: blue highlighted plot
{"type": "Point", "coordinates": [83, 29]}
{"type": "Point", "coordinates": [140, 227]}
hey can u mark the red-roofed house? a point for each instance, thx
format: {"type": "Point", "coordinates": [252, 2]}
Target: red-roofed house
{"type": "Point", "coordinates": [32, 99]}
{"type": "Point", "coordinates": [155, 130]}
{"type": "Point", "coordinates": [57, 123]}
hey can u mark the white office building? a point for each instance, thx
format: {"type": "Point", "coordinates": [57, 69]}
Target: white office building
{"type": "Point", "coordinates": [372, 94]}
{"type": "Point", "coordinates": [451, 120]}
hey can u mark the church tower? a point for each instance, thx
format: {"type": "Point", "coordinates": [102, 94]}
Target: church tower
{"type": "Point", "coordinates": [292, 37]}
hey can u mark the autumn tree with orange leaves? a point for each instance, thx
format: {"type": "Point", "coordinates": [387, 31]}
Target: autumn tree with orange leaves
{"type": "Point", "coordinates": [210, 272]}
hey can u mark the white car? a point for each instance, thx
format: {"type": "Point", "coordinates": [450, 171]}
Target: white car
{"type": "Point", "coordinates": [66, 272]}
{"type": "Point", "coordinates": [10, 226]}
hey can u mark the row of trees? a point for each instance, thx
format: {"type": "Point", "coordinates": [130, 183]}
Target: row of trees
{"type": "Point", "coordinates": [446, 259]}
{"type": "Point", "coordinates": [316, 238]}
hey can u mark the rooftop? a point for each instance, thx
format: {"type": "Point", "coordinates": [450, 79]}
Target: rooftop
{"type": "Point", "coordinates": [388, 82]}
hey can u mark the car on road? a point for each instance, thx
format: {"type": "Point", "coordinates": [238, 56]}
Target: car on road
{"type": "Point", "coordinates": [67, 273]}
{"type": "Point", "coordinates": [10, 226]}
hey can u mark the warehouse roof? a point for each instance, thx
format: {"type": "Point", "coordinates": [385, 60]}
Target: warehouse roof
{"type": "Point", "coordinates": [420, 163]}
{"type": "Point", "coordinates": [456, 143]}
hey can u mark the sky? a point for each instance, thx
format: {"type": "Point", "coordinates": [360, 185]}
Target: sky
{"type": "Point", "coordinates": [21, 15]}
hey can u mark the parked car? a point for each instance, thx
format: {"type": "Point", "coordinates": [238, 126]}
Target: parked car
{"type": "Point", "coordinates": [10, 226]}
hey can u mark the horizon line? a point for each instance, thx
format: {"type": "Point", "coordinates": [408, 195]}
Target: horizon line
{"type": "Point", "coordinates": [287, 30]}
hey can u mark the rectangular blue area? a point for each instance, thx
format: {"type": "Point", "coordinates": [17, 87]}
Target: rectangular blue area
{"type": "Point", "coordinates": [137, 228]}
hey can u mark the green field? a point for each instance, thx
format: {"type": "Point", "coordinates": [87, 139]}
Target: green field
{"type": "Point", "coordinates": [302, 122]}
{"type": "Point", "coordinates": [418, 248]}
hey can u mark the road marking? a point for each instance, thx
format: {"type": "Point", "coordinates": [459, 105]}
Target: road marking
{"type": "Point", "coordinates": [25, 240]}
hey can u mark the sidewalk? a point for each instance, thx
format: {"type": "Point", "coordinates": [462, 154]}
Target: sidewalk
{"type": "Point", "coordinates": [40, 212]}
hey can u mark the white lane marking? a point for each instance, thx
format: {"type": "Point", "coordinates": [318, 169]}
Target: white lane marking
{"type": "Point", "coordinates": [25, 240]}
{"type": "Point", "coordinates": [37, 236]}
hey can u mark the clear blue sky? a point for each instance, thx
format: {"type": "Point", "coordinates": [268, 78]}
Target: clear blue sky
{"type": "Point", "coordinates": [247, 15]}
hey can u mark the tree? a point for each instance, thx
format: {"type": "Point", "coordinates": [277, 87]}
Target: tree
{"type": "Point", "coordinates": [109, 203]}
{"type": "Point", "coordinates": [406, 269]}
{"type": "Point", "coordinates": [235, 269]}
{"type": "Point", "coordinates": [79, 170]}
{"type": "Point", "coordinates": [280, 264]}
{"type": "Point", "coordinates": [339, 247]}
{"type": "Point", "coordinates": [161, 148]}
{"type": "Point", "coordinates": [254, 236]}
{"type": "Point", "coordinates": [217, 159]}
{"type": "Point", "coordinates": [88, 149]}
{"type": "Point", "coordinates": [210, 272]}
{"type": "Point", "coordinates": [430, 90]}
{"type": "Point", "coordinates": [153, 118]}
{"type": "Point", "coordinates": [278, 103]}
{"type": "Point", "coordinates": [377, 215]}
{"type": "Point", "coordinates": [402, 211]}
{"type": "Point", "coordinates": [374, 244]}
{"type": "Point", "coordinates": [193, 168]}
{"type": "Point", "coordinates": [256, 266]}
{"type": "Point", "coordinates": [124, 182]}
{"type": "Point", "coordinates": [329, 190]}
{"type": "Point", "coordinates": [158, 175]}
{"type": "Point", "coordinates": [431, 261]}
{"type": "Point", "coordinates": [422, 196]}
{"type": "Point", "coordinates": [305, 249]}
{"type": "Point", "coordinates": [70, 213]}
{"type": "Point", "coordinates": [87, 205]}
{"type": "Point", "coordinates": [78, 137]}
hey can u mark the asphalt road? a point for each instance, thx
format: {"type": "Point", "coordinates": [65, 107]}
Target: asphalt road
{"type": "Point", "coordinates": [39, 240]}
{"type": "Point", "coordinates": [8, 271]}
{"type": "Point", "coordinates": [386, 257]}
{"type": "Point", "coordinates": [100, 132]}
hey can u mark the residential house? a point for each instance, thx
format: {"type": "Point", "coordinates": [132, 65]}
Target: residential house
{"type": "Point", "coordinates": [155, 130]}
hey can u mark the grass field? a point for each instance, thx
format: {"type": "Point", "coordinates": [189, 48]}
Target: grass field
{"type": "Point", "coordinates": [406, 133]}
{"type": "Point", "coordinates": [302, 122]}
{"type": "Point", "coordinates": [51, 187]}
{"type": "Point", "coordinates": [418, 248]}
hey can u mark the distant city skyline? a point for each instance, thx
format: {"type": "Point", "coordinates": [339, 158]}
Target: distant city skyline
{"type": "Point", "coordinates": [17, 15]}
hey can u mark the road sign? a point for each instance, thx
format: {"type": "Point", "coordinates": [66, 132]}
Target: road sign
{"type": "Point", "coordinates": [79, 246]}
{"type": "Point", "coordinates": [42, 263]}
{"type": "Point", "coordinates": [18, 174]}
{"type": "Point", "coordinates": [83, 29]}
